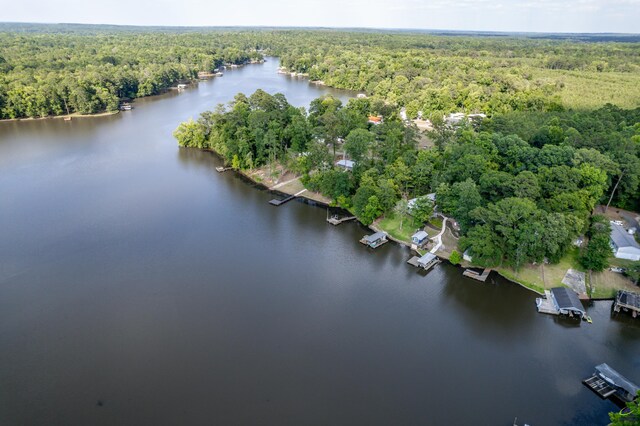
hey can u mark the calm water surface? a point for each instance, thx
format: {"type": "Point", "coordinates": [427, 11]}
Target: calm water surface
{"type": "Point", "coordinates": [140, 287]}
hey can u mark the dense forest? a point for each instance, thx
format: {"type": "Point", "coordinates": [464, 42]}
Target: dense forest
{"type": "Point", "coordinates": [60, 69]}
{"type": "Point", "coordinates": [521, 186]}
{"type": "Point", "coordinates": [45, 74]}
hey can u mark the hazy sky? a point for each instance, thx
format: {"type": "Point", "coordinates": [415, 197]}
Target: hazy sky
{"type": "Point", "coordinates": [497, 15]}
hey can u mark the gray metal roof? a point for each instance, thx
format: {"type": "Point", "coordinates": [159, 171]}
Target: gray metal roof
{"type": "Point", "coordinates": [622, 238]}
{"type": "Point", "coordinates": [616, 379]}
{"type": "Point", "coordinates": [375, 237]}
{"type": "Point", "coordinates": [420, 235]}
{"type": "Point", "coordinates": [426, 258]}
{"type": "Point", "coordinates": [346, 163]}
{"type": "Point", "coordinates": [567, 299]}
{"type": "Point", "coordinates": [628, 298]}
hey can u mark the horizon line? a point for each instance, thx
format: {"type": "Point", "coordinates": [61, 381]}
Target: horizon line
{"type": "Point", "coordinates": [321, 27]}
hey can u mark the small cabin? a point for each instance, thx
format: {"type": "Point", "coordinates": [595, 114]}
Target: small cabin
{"type": "Point", "coordinates": [346, 164]}
{"type": "Point", "coordinates": [419, 238]}
{"type": "Point", "coordinates": [375, 119]}
{"type": "Point", "coordinates": [375, 240]}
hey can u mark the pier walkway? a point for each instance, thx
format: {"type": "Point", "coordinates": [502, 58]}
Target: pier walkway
{"type": "Point", "coordinates": [276, 202]}
{"type": "Point", "coordinates": [476, 275]}
{"type": "Point", "coordinates": [335, 221]}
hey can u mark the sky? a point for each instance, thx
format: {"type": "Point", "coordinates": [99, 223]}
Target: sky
{"type": "Point", "coordinates": [620, 16]}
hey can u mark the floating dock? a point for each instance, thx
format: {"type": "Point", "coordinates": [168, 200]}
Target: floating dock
{"type": "Point", "coordinates": [276, 202]}
{"type": "Point", "coordinates": [335, 221]}
{"type": "Point", "coordinates": [628, 302]}
{"type": "Point", "coordinates": [476, 275]}
{"type": "Point", "coordinates": [545, 304]}
{"type": "Point", "coordinates": [221, 169]}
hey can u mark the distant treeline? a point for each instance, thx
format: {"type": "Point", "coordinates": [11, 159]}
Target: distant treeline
{"type": "Point", "coordinates": [66, 68]}
{"type": "Point", "coordinates": [45, 74]}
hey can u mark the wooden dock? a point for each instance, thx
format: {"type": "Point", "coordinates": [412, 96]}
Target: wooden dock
{"type": "Point", "coordinates": [222, 169]}
{"type": "Point", "coordinates": [599, 386]}
{"type": "Point", "coordinates": [335, 221]}
{"type": "Point", "coordinates": [476, 275]}
{"type": "Point", "coordinates": [276, 202]}
{"type": "Point", "coordinates": [545, 304]}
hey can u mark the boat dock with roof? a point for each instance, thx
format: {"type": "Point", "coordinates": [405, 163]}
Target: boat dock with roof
{"type": "Point", "coordinates": [628, 302]}
{"type": "Point", "coordinates": [607, 382]}
{"type": "Point", "coordinates": [425, 262]}
{"type": "Point", "coordinates": [561, 301]}
{"type": "Point", "coordinates": [375, 240]}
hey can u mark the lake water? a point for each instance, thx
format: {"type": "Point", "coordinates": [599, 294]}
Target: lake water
{"type": "Point", "coordinates": [140, 287]}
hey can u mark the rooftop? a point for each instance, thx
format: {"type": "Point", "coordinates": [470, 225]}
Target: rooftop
{"type": "Point", "coordinates": [375, 237]}
{"type": "Point", "coordinates": [420, 235]}
{"type": "Point", "coordinates": [347, 164]}
{"type": "Point", "coordinates": [567, 299]}
{"type": "Point", "coordinates": [429, 257]}
{"type": "Point", "coordinates": [622, 238]}
{"type": "Point", "coordinates": [628, 298]}
{"type": "Point", "coordinates": [616, 379]}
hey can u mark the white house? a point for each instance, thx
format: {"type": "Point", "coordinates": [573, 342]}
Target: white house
{"type": "Point", "coordinates": [624, 244]}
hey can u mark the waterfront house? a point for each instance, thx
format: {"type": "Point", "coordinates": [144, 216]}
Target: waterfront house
{"type": "Point", "coordinates": [346, 164]}
{"type": "Point", "coordinates": [419, 238]}
{"type": "Point", "coordinates": [375, 240]}
{"type": "Point", "coordinates": [624, 244]}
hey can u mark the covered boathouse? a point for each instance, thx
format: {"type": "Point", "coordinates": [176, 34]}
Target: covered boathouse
{"type": "Point", "coordinates": [375, 240]}
{"type": "Point", "coordinates": [608, 382]}
{"type": "Point", "coordinates": [567, 302]}
{"type": "Point", "coordinates": [628, 302]}
{"type": "Point", "coordinates": [561, 300]}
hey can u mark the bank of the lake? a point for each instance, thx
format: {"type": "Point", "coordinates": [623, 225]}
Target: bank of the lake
{"type": "Point", "coordinates": [140, 286]}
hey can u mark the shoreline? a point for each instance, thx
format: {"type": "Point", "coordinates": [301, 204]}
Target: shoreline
{"type": "Point", "coordinates": [373, 227]}
{"type": "Point", "coordinates": [109, 113]}
{"type": "Point", "coordinates": [54, 117]}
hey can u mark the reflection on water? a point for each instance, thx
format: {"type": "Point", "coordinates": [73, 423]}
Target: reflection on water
{"type": "Point", "coordinates": [140, 286]}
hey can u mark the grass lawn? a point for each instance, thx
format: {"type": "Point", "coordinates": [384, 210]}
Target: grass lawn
{"type": "Point", "coordinates": [391, 225]}
{"type": "Point", "coordinates": [541, 277]}
{"type": "Point", "coordinates": [436, 221]}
